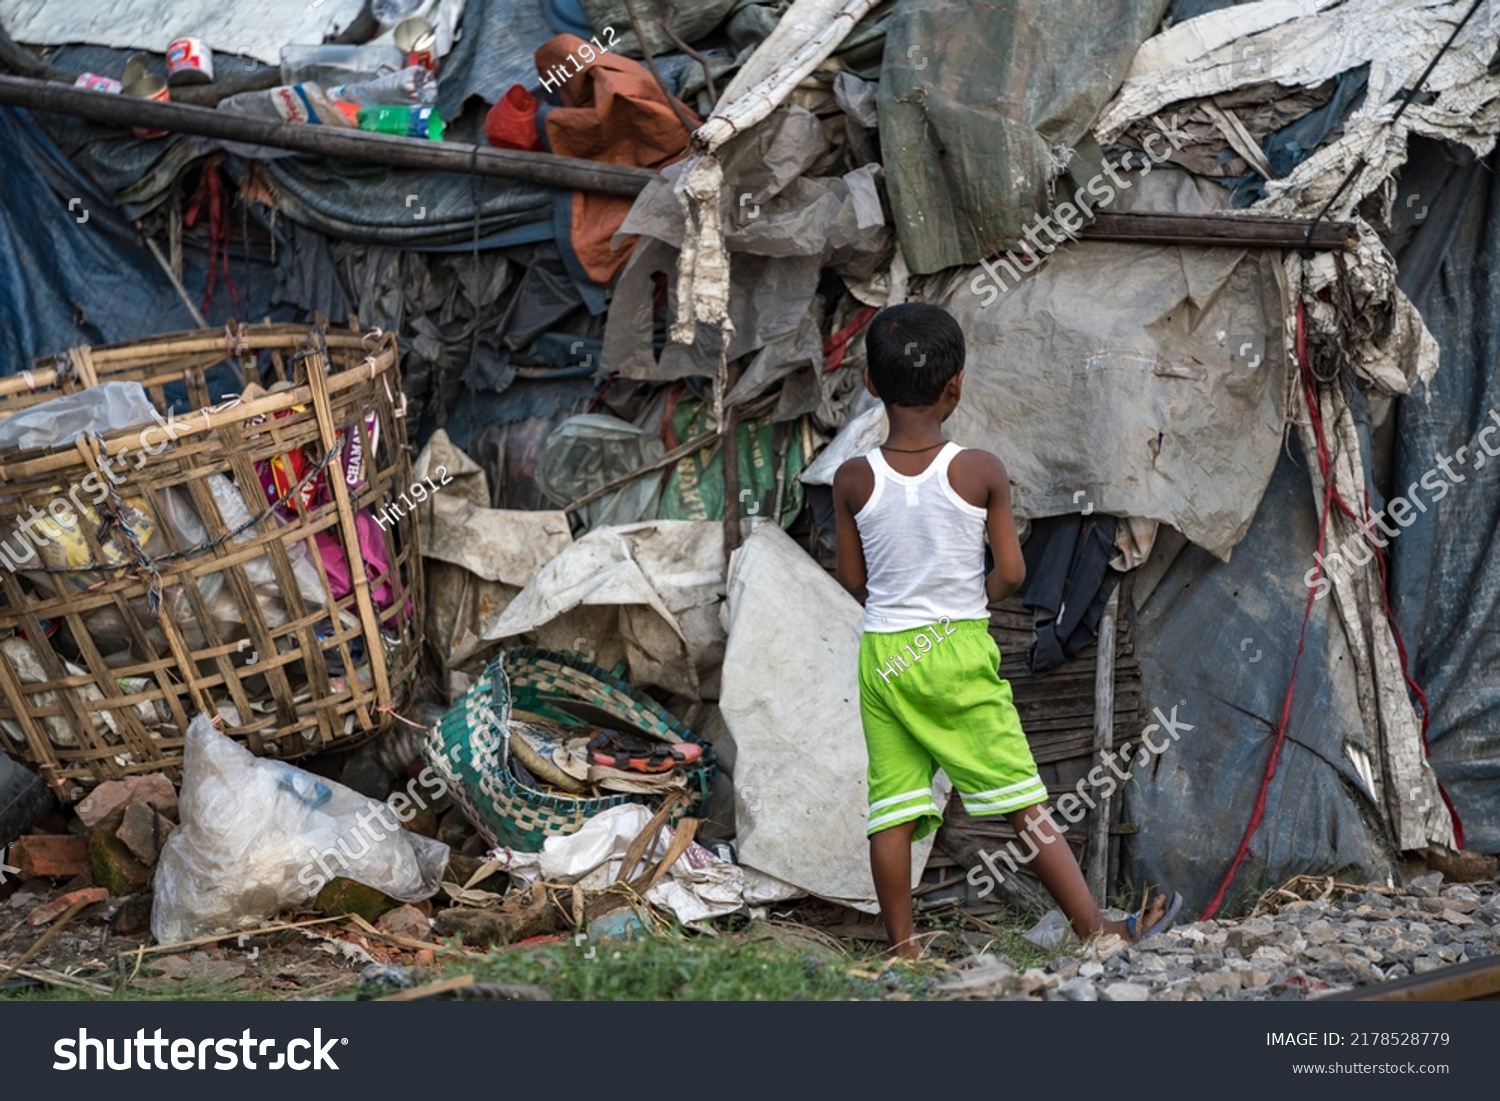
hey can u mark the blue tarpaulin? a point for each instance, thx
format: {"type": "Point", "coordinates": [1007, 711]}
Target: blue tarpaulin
{"type": "Point", "coordinates": [1445, 580]}
{"type": "Point", "coordinates": [1216, 642]}
{"type": "Point", "coordinates": [71, 269]}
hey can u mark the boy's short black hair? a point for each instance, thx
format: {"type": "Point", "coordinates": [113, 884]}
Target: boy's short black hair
{"type": "Point", "coordinates": [913, 350]}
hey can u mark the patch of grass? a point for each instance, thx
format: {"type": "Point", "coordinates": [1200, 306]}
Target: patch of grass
{"type": "Point", "coordinates": [679, 967]}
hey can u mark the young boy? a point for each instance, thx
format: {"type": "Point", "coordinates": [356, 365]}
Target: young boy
{"type": "Point", "coordinates": [912, 520]}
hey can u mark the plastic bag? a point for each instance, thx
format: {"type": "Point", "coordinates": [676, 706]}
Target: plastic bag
{"type": "Point", "coordinates": [258, 836]}
{"type": "Point", "coordinates": [590, 450]}
{"type": "Point", "coordinates": [102, 408]}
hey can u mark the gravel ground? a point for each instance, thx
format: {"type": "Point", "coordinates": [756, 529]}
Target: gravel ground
{"type": "Point", "coordinates": [1304, 949]}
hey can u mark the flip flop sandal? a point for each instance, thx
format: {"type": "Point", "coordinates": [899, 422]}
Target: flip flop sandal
{"type": "Point", "coordinates": [1166, 921]}
{"type": "Point", "coordinates": [613, 749]}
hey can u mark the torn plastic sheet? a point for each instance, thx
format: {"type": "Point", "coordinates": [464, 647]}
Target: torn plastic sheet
{"type": "Point", "coordinates": [981, 106]}
{"type": "Point", "coordinates": [1163, 399]}
{"type": "Point", "coordinates": [646, 594]}
{"type": "Point", "coordinates": [1235, 47]}
{"type": "Point", "coordinates": [806, 35]}
{"type": "Point", "coordinates": [258, 836]}
{"type": "Point", "coordinates": [783, 228]}
{"type": "Point", "coordinates": [790, 699]}
{"type": "Point", "coordinates": [477, 558]}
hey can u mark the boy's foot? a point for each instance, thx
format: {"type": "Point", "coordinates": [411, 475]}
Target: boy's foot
{"type": "Point", "coordinates": [910, 950]}
{"type": "Point", "coordinates": [1156, 917]}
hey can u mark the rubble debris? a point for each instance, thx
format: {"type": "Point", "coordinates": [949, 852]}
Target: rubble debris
{"type": "Point", "coordinates": [406, 921]}
{"type": "Point", "coordinates": [144, 830]}
{"type": "Point", "coordinates": [50, 856]}
{"type": "Point", "coordinates": [345, 896]}
{"type": "Point", "coordinates": [132, 916]}
{"type": "Point", "coordinates": [51, 911]}
{"type": "Point", "coordinates": [106, 805]}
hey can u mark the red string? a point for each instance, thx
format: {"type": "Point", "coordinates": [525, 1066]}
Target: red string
{"type": "Point", "coordinates": [209, 197]}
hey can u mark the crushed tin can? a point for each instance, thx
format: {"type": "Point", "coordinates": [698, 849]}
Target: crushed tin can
{"type": "Point", "coordinates": [189, 61]}
{"type": "Point", "coordinates": [94, 82]}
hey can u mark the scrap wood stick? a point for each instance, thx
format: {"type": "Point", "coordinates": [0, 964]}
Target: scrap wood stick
{"type": "Point", "coordinates": [431, 990]}
{"type": "Point", "coordinates": [643, 840]}
{"type": "Point", "coordinates": [369, 930]}
{"type": "Point", "coordinates": [68, 915]}
{"type": "Point", "coordinates": [752, 410]}
{"type": "Point", "coordinates": [682, 451]}
{"type": "Point", "coordinates": [151, 950]}
{"type": "Point", "coordinates": [52, 978]}
{"type": "Point", "coordinates": [1096, 844]}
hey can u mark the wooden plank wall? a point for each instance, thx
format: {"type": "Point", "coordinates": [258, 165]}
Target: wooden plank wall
{"type": "Point", "coordinates": [1057, 713]}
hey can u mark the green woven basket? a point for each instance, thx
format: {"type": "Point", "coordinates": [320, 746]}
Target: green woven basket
{"type": "Point", "coordinates": [470, 748]}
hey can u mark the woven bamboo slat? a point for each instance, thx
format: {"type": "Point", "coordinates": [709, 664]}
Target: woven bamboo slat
{"type": "Point", "coordinates": [167, 583]}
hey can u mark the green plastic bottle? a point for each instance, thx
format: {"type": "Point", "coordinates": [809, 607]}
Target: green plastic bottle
{"type": "Point", "coordinates": [404, 120]}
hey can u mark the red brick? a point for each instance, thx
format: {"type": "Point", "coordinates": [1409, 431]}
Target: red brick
{"type": "Point", "coordinates": [50, 855]}
{"type": "Point", "coordinates": [51, 911]}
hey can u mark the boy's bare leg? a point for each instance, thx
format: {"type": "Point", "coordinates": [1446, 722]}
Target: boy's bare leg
{"type": "Point", "coordinates": [1060, 874]}
{"type": "Point", "coordinates": [890, 864]}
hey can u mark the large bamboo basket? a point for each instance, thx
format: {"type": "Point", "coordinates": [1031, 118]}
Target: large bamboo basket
{"type": "Point", "coordinates": [103, 662]}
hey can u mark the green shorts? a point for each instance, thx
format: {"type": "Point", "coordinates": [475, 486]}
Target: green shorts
{"type": "Point", "coordinates": [932, 698]}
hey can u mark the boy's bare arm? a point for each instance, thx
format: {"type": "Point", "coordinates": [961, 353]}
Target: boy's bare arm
{"type": "Point", "coordinates": [989, 472]}
{"type": "Point", "coordinates": [853, 483]}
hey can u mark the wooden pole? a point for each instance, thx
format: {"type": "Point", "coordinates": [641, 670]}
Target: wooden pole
{"type": "Point", "coordinates": [729, 455]}
{"type": "Point", "coordinates": [1096, 845]}
{"type": "Point", "coordinates": [1225, 230]}
{"type": "Point", "coordinates": [328, 141]}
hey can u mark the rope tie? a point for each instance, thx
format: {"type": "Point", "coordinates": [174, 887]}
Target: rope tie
{"type": "Point", "coordinates": [234, 341]}
{"type": "Point", "coordinates": [396, 411]}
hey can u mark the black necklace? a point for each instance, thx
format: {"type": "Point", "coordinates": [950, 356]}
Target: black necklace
{"type": "Point", "coordinates": [911, 450]}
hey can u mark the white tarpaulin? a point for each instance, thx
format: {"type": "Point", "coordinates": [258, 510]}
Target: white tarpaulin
{"type": "Point", "coordinates": [256, 30]}
{"type": "Point", "coordinates": [645, 593]}
{"type": "Point", "coordinates": [790, 698]}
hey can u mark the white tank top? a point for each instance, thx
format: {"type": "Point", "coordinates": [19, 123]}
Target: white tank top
{"type": "Point", "coordinates": [924, 548]}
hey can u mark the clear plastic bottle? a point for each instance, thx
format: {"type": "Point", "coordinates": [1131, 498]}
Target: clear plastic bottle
{"type": "Point", "coordinates": [413, 85]}
{"type": "Point", "coordinates": [289, 103]}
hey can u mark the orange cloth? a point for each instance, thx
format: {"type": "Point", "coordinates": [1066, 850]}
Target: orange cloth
{"type": "Point", "coordinates": [612, 111]}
